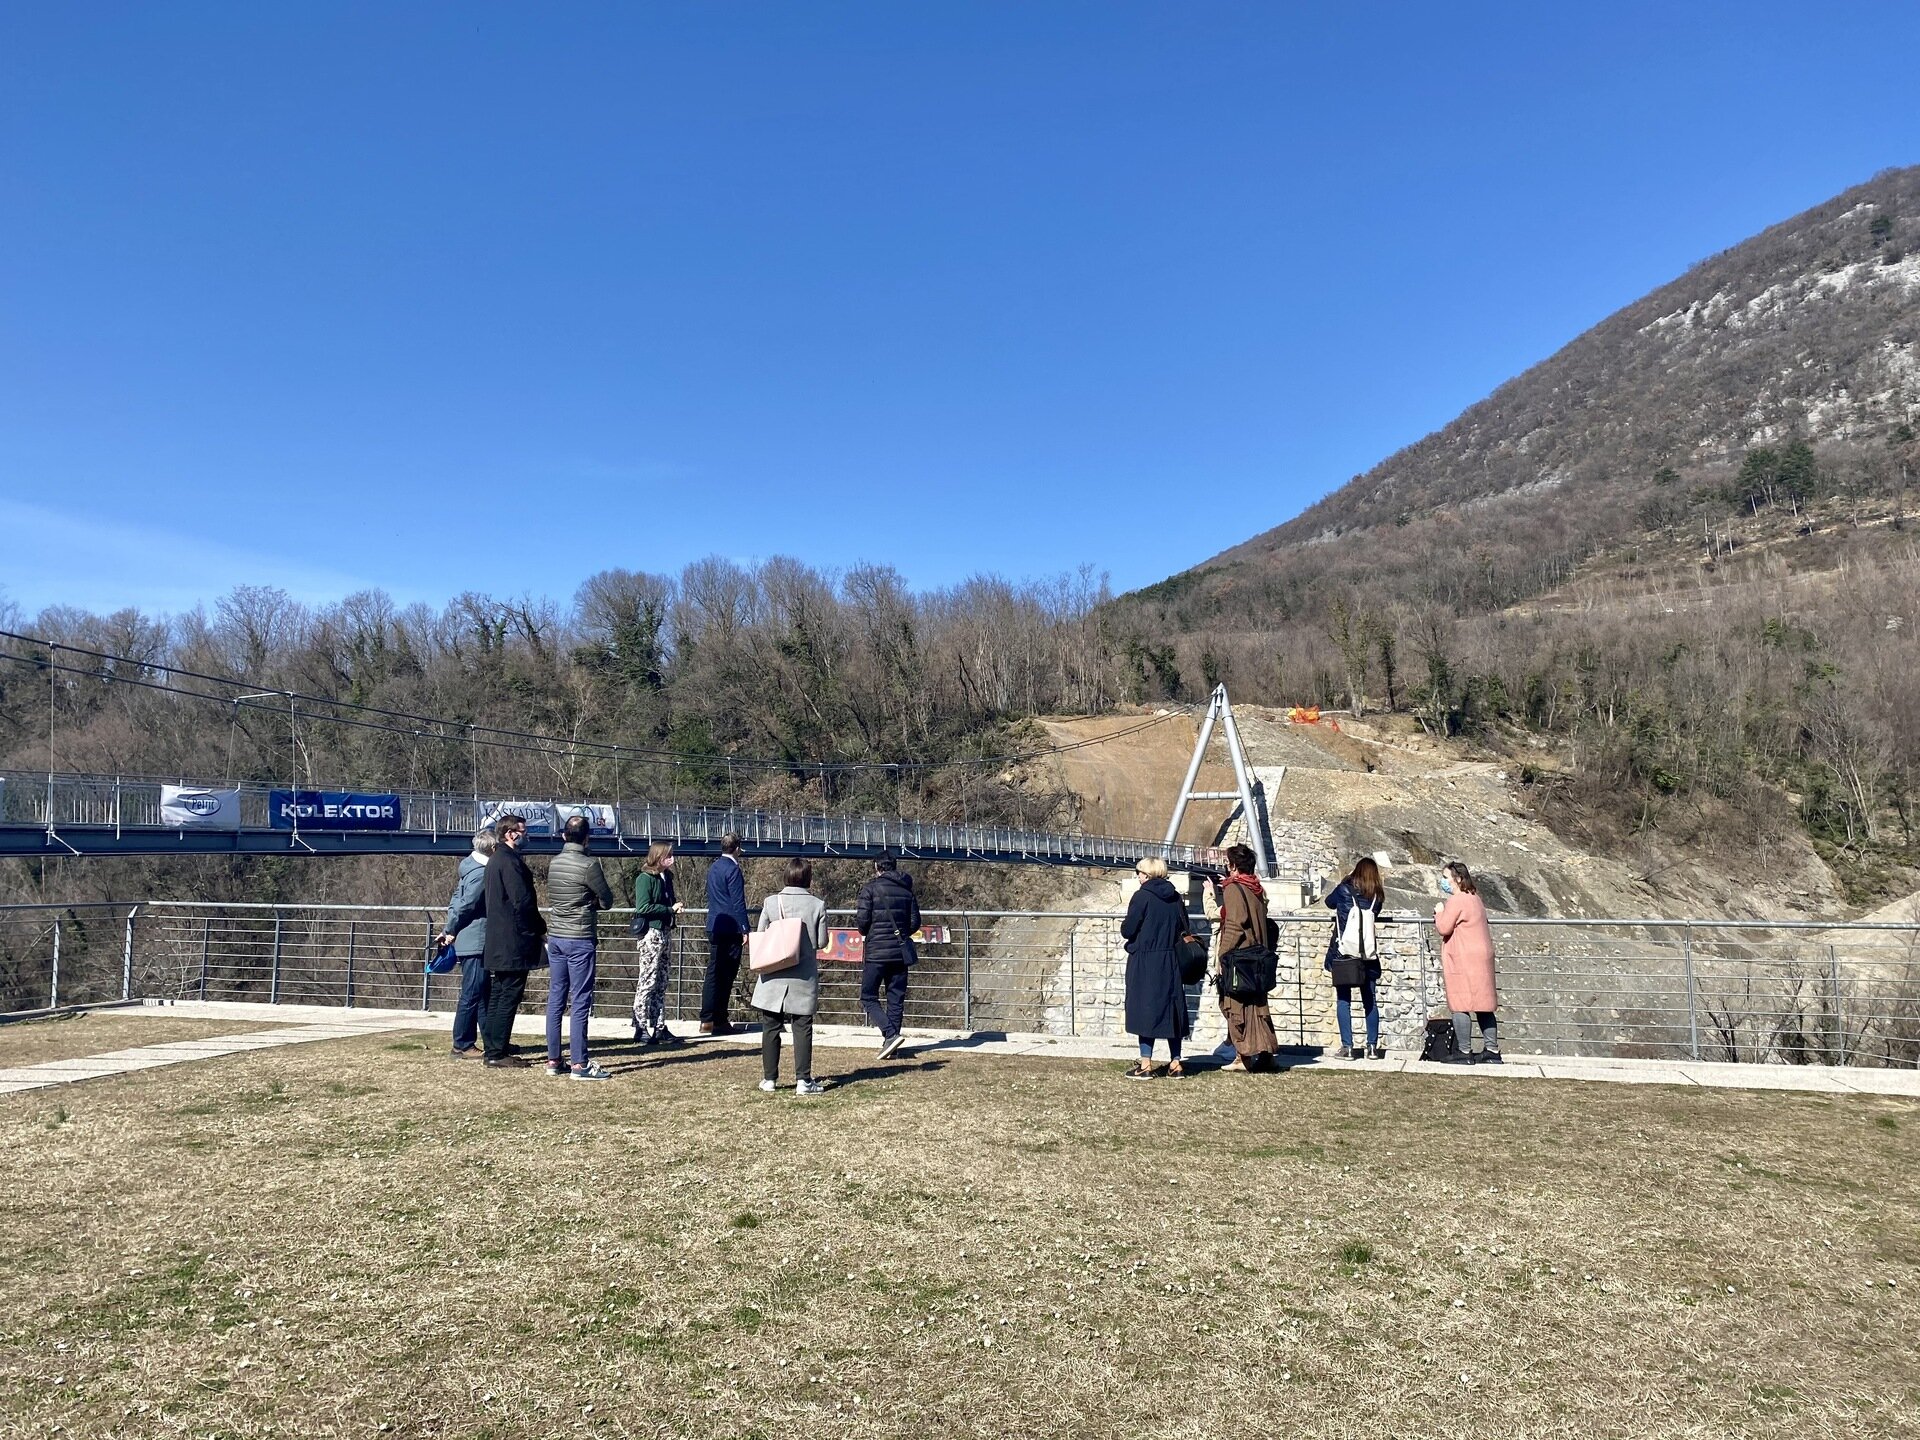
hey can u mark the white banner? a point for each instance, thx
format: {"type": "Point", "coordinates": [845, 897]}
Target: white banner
{"type": "Point", "coordinates": [538, 814]}
{"type": "Point", "coordinates": [600, 818]}
{"type": "Point", "coordinates": [191, 805]}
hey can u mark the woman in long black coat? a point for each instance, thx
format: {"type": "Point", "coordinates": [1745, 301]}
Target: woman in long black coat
{"type": "Point", "coordinates": [1156, 1000]}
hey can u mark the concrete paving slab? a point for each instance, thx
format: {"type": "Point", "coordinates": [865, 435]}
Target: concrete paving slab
{"type": "Point", "coordinates": [10, 1087]}
{"type": "Point", "coordinates": [305, 1024]}
{"type": "Point", "coordinates": [1903, 1083]}
{"type": "Point", "coordinates": [1766, 1077]}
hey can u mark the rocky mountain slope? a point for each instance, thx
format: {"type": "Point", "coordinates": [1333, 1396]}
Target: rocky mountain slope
{"type": "Point", "coordinates": [1809, 331]}
{"type": "Point", "coordinates": [1668, 573]}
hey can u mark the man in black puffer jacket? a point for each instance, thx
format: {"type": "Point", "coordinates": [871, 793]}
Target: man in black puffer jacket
{"type": "Point", "coordinates": [888, 917]}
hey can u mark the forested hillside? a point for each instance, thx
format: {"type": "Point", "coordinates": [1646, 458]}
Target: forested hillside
{"type": "Point", "coordinates": [1679, 552]}
{"type": "Point", "coordinates": [777, 686]}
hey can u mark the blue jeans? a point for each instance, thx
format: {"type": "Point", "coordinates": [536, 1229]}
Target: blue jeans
{"type": "Point", "coordinates": [1343, 1012]}
{"type": "Point", "coordinates": [473, 999]}
{"type": "Point", "coordinates": [570, 984]}
{"type": "Point", "coordinates": [1173, 1048]}
{"type": "Point", "coordinates": [891, 976]}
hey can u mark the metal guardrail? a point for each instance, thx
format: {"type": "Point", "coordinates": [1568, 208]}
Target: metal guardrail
{"type": "Point", "coordinates": [106, 814]}
{"type": "Point", "coordinates": [1779, 992]}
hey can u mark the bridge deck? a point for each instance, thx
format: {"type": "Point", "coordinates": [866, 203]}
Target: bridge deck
{"type": "Point", "coordinates": [115, 815]}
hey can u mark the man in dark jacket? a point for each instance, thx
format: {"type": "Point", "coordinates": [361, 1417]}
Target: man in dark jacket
{"type": "Point", "coordinates": [726, 935]}
{"type": "Point", "coordinates": [888, 916]}
{"type": "Point", "coordinates": [515, 934]}
{"type": "Point", "coordinates": [466, 931]}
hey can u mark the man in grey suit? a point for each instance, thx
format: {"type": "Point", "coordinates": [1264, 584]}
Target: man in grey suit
{"type": "Point", "coordinates": [466, 931]}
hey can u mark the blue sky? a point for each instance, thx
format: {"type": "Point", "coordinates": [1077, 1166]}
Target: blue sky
{"type": "Point", "coordinates": [423, 296]}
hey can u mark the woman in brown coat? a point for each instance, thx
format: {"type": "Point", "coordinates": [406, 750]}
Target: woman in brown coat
{"type": "Point", "coordinates": [1244, 926]}
{"type": "Point", "coordinates": [1466, 962]}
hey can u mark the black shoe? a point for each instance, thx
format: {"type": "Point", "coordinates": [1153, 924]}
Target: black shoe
{"type": "Point", "coordinates": [507, 1062]}
{"type": "Point", "coordinates": [667, 1039]}
{"type": "Point", "coordinates": [1489, 1057]}
{"type": "Point", "coordinates": [1457, 1058]}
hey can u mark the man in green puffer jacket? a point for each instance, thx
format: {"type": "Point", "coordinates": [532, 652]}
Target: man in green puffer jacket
{"type": "Point", "coordinates": [577, 891]}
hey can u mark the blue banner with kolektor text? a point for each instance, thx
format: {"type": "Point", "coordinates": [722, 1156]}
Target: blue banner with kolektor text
{"type": "Point", "coordinates": [333, 810]}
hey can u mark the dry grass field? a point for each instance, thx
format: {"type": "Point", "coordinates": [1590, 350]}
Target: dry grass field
{"type": "Point", "coordinates": [363, 1238]}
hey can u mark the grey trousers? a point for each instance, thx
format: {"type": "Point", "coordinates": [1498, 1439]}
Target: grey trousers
{"type": "Point", "coordinates": [770, 1045]}
{"type": "Point", "coordinates": [1463, 1030]}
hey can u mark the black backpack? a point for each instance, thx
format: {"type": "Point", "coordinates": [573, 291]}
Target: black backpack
{"type": "Point", "coordinates": [1440, 1040]}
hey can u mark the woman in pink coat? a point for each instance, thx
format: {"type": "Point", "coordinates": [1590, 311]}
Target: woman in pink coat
{"type": "Point", "coordinates": [1466, 960]}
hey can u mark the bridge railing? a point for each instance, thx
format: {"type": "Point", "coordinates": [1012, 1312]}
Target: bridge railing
{"type": "Point", "coordinates": [1780, 992]}
{"type": "Point", "coordinates": [128, 803]}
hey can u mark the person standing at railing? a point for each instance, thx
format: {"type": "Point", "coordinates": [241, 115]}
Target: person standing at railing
{"type": "Point", "coordinates": [655, 908]}
{"type": "Point", "coordinates": [1245, 963]}
{"type": "Point", "coordinates": [1353, 954]}
{"type": "Point", "coordinates": [1466, 963]}
{"type": "Point", "coordinates": [726, 934]}
{"type": "Point", "coordinates": [791, 996]}
{"type": "Point", "coordinates": [887, 915]}
{"type": "Point", "coordinates": [516, 931]}
{"type": "Point", "coordinates": [1155, 923]}
{"type": "Point", "coordinates": [577, 891]}
{"type": "Point", "coordinates": [466, 931]}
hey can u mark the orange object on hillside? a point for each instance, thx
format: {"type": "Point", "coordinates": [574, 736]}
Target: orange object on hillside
{"type": "Point", "coordinates": [1304, 715]}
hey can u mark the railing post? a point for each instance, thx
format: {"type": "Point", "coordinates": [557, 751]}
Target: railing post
{"type": "Point", "coordinates": [1693, 1018]}
{"type": "Point", "coordinates": [1839, 1005]}
{"type": "Point", "coordinates": [1299, 986]}
{"type": "Point", "coordinates": [206, 944]}
{"type": "Point", "coordinates": [273, 984]}
{"type": "Point", "coordinates": [1073, 986]}
{"type": "Point", "coordinates": [352, 926]}
{"type": "Point", "coordinates": [53, 992]}
{"type": "Point", "coordinates": [966, 973]}
{"type": "Point", "coordinates": [426, 975]}
{"type": "Point", "coordinates": [126, 958]}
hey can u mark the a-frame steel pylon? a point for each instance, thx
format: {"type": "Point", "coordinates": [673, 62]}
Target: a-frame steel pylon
{"type": "Point", "coordinates": [1220, 712]}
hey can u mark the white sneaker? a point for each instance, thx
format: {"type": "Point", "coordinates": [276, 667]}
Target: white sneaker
{"type": "Point", "coordinates": [809, 1087]}
{"type": "Point", "coordinates": [767, 1087]}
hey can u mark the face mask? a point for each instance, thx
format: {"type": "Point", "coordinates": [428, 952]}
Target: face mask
{"type": "Point", "coordinates": [1446, 884]}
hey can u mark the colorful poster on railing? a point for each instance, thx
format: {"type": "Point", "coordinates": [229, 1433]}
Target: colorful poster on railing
{"type": "Point", "coordinates": [600, 819]}
{"type": "Point", "coordinates": [539, 814]}
{"type": "Point", "coordinates": [849, 947]}
{"type": "Point", "coordinates": [195, 805]}
{"type": "Point", "coordinates": [333, 810]}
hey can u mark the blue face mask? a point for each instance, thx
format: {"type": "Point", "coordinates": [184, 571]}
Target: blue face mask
{"type": "Point", "coordinates": [1446, 883]}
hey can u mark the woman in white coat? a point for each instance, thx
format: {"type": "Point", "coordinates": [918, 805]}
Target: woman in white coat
{"type": "Point", "coordinates": [790, 997]}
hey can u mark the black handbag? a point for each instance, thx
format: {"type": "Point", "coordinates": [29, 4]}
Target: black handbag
{"type": "Point", "coordinates": [1192, 953]}
{"type": "Point", "coordinates": [1249, 975]}
{"type": "Point", "coordinates": [1348, 972]}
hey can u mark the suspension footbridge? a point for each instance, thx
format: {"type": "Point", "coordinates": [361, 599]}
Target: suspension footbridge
{"type": "Point", "coordinates": [77, 814]}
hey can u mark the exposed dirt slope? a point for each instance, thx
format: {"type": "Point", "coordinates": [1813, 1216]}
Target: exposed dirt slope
{"type": "Point", "coordinates": [1344, 788]}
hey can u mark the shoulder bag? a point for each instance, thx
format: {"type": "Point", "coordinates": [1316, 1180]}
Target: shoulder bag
{"type": "Point", "coordinates": [1191, 951]}
{"type": "Point", "coordinates": [777, 947]}
{"type": "Point", "coordinates": [1249, 975]}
